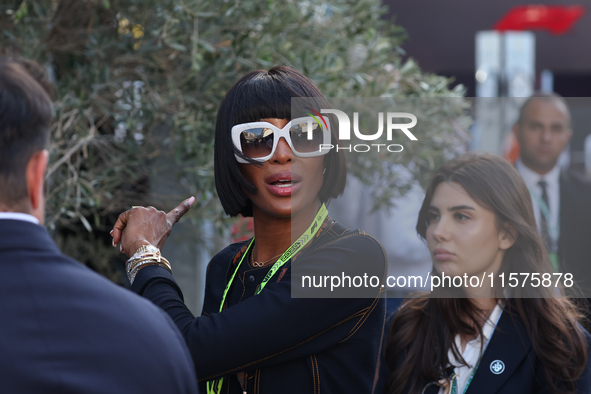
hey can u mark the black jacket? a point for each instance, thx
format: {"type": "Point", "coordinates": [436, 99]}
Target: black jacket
{"type": "Point", "coordinates": [574, 244]}
{"type": "Point", "coordinates": [286, 345]}
{"type": "Point", "coordinates": [65, 329]}
{"type": "Point", "coordinates": [509, 364]}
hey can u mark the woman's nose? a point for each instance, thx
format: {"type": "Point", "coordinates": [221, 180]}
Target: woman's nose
{"type": "Point", "coordinates": [282, 153]}
{"type": "Point", "coordinates": [441, 231]}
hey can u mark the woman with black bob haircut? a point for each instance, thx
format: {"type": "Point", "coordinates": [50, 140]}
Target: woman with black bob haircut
{"type": "Point", "coordinates": [253, 336]}
{"type": "Point", "coordinates": [477, 220]}
{"type": "Point", "coordinates": [259, 95]}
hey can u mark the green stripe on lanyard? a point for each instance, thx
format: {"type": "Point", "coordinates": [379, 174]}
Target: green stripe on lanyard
{"type": "Point", "coordinates": [215, 386]}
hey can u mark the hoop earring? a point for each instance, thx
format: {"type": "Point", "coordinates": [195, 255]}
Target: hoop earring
{"type": "Point", "coordinates": [324, 171]}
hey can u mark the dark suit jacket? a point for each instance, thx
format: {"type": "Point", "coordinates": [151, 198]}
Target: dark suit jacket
{"type": "Point", "coordinates": [286, 345]}
{"type": "Point", "coordinates": [518, 370]}
{"type": "Point", "coordinates": [66, 329]}
{"type": "Point", "coordinates": [574, 245]}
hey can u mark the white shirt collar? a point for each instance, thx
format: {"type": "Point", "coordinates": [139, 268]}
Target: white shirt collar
{"type": "Point", "coordinates": [25, 217]}
{"type": "Point", "coordinates": [487, 331]}
{"type": "Point", "coordinates": [491, 323]}
{"type": "Point", "coordinates": [532, 178]}
{"type": "Point", "coordinates": [489, 327]}
{"type": "Point", "coordinates": [471, 353]}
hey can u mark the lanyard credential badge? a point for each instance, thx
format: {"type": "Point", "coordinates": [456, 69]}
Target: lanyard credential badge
{"type": "Point", "coordinates": [215, 386]}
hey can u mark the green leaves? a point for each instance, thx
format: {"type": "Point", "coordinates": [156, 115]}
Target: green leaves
{"type": "Point", "coordinates": [21, 12]}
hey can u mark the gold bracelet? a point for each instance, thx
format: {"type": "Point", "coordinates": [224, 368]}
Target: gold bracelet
{"type": "Point", "coordinates": [134, 266]}
{"type": "Point", "coordinates": [143, 251]}
{"type": "Point", "coordinates": [166, 264]}
{"type": "Point", "coordinates": [145, 255]}
{"type": "Point", "coordinates": [135, 258]}
{"type": "Point", "coordinates": [131, 266]}
{"type": "Point", "coordinates": [132, 274]}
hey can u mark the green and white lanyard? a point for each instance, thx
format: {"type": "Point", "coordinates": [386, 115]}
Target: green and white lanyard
{"type": "Point", "coordinates": [454, 380]}
{"type": "Point", "coordinates": [215, 386]}
{"type": "Point", "coordinates": [553, 231]}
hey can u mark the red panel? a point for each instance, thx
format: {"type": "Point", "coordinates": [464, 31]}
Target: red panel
{"type": "Point", "coordinates": [556, 19]}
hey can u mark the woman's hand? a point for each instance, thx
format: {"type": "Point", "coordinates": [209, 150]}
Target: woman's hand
{"type": "Point", "coordinates": [141, 226]}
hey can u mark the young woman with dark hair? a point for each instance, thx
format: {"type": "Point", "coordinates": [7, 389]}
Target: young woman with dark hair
{"type": "Point", "coordinates": [252, 336]}
{"type": "Point", "coordinates": [477, 218]}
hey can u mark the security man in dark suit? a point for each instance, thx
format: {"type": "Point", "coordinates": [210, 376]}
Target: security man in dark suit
{"type": "Point", "coordinates": [64, 328]}
{"type": "Point", "coordinates": [561, 199]}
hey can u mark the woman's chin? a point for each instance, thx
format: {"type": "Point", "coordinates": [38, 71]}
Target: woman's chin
{"type": "Point", "coordinates": [281, 212]}
{"type": "Point", "coordinates": [446, 267]}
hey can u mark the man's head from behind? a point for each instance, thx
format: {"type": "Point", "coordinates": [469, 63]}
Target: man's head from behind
{"type": "Point", "coordinates": [543, 131]}
{"type": "Point", "coordinates": [25, 118]}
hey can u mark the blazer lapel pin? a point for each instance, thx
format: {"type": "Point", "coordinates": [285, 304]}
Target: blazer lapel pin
{"type": "Point", "coordinates": [497, 367]}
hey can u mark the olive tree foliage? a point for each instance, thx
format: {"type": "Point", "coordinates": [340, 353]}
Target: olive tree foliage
{"type": "Point", "coordinates": [138, 84]}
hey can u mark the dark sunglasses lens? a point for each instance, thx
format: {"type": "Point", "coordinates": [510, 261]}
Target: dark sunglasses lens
{"type": "Point", "coordinates": [257, 142]}
{"type": "Point", "coordinates": [306, 137]}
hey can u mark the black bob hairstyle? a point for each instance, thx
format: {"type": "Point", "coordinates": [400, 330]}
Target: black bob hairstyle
{"type": "Point", "coordinates": [258, 95]}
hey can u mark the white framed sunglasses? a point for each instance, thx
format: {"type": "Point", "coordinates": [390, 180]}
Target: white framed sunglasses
{"type": "Point", "coordinates": [306, 136]}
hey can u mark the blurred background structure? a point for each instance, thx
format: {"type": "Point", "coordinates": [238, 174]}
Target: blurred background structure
{"type": "Point", "coordinates": [451, 52]}
{"type": "Point", "coordinates": [443, 39]}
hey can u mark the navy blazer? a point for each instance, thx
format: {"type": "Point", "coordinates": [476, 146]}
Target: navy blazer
{"type": "Point", "coordinates": [66, 329]}
{"type": "Point", "coordinates": [284, 344]}
{"type": "Point", "coordinates": [509, 364]}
